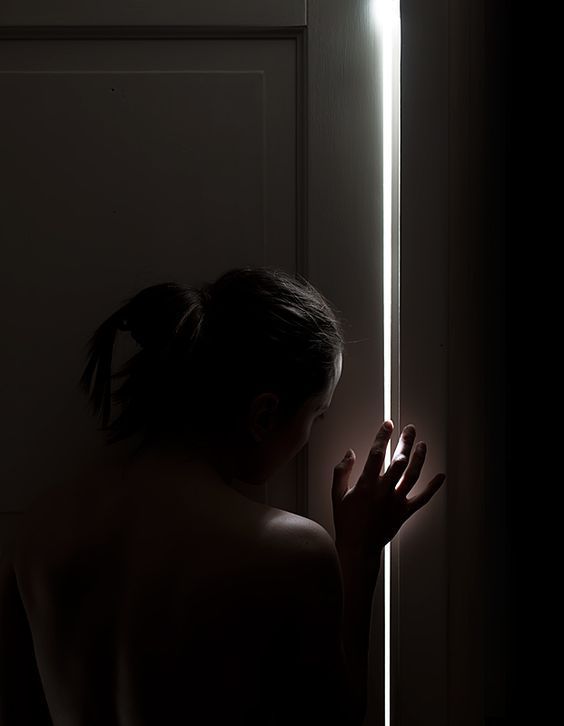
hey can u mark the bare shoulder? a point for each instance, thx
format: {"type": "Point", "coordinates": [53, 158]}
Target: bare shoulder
{"type": "Point", "coordinates": [304, 545]}
{"type": "Point", "coordinates": [297, 531]}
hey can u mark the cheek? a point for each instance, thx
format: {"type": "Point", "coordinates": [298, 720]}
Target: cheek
{"type": "Point", "coordinates": [301, 435]}
{"type": "Point", "coordinates": [295, 437]}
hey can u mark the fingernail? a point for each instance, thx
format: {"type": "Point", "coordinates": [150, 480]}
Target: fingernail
{"type": "Point", "coordinates": [389, 425]}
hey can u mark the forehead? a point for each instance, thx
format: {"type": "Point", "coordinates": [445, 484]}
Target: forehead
{"type": "Point", "coordinates": [339, 366]}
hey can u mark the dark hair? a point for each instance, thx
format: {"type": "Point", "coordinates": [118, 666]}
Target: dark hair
{"type": "Point", "coordinates": [206, 352]}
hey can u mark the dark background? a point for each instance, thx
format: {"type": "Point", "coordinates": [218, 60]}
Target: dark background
{"type": "Point", "coordinates": [499, 636]}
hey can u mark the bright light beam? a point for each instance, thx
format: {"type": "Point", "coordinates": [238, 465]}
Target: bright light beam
{"type": "Point", "coordinates": [386, 15]}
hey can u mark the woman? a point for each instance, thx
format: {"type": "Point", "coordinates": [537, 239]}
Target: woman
{"type": "Point", "coordinates": [154, 592]}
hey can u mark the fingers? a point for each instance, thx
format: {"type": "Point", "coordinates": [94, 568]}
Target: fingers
{"type": "Point", "coordinates": [413, 471]}
{"type": "Point", "coordinates": [400, 458]}
{"type": "Point", "coordinates": [376, 455]}
{"type": "Point", "coordinates": [430, 490]}
{"type": "Point", "coordinates": [405, 443]}
{"type": "Point", "coordinates": [341, 476]}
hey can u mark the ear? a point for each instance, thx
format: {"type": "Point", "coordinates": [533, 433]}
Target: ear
{"type": "Point", "coordinates": [262, 416]}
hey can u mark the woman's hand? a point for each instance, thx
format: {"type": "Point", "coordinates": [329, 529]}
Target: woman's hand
{"type": "Point", "coordinates": [369, 514]}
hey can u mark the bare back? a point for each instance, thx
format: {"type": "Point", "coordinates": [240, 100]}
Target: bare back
{"type": "Point", "coordinates": [157, 602]}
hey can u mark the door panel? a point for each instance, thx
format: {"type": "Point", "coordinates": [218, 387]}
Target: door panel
{"type": "Point", "coordinates": [131, 161]}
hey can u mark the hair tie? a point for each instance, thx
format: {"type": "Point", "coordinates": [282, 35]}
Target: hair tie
{"type": "Point", "coordinates": [147, 337]}
{"type": "Point", "coordinates": [125, 325]}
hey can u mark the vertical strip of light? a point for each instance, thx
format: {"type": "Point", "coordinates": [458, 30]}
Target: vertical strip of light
{"type": "Point", "coordinates": [386, 13]}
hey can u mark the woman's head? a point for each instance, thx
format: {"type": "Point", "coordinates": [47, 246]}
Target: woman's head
{"type": "Point", "coordinates": [246, 362]}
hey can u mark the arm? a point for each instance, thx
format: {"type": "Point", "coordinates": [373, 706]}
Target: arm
{"type": "Point", "coordinates": [367, 516]}
{"type": "Point", "coordinates": [359, 582]}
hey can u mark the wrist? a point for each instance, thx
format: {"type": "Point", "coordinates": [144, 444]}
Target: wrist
{"type": "Point", "coordinates": [357, 561]}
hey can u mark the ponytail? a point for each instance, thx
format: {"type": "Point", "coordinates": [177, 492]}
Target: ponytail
{"type": "Point", "coordinates": [153, 317]}
{"type": "Point", "coordinates": [100, 352]}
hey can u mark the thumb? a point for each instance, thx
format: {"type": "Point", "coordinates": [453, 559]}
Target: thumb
{"type": "Point", "coordinates": [341, 476]}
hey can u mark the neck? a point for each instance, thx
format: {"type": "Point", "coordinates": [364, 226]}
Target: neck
{"type": "Point", "coordinates": [215, 464]}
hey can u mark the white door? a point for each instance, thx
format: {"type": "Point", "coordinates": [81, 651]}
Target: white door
{"type": "Point", "coordinates": [175, 142]}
